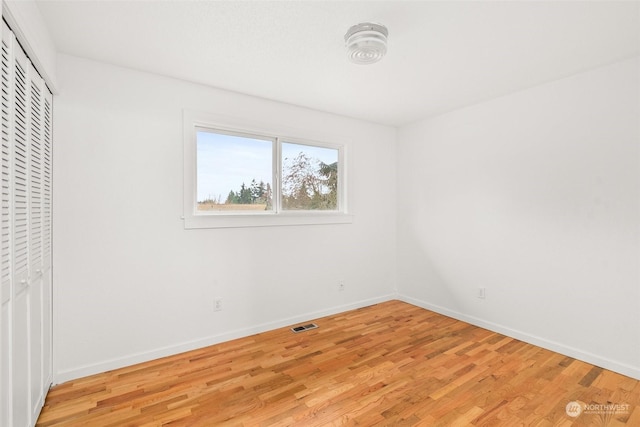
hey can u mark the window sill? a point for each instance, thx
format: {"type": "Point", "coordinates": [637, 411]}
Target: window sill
{"type": "Point", "coordinates": [265, 220]}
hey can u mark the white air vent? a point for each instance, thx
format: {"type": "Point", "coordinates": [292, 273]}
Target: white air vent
{"type": "Point", "coordinates": [303, 328]}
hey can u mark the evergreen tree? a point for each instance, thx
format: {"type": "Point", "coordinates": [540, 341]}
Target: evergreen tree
{"type": "Point", "coordinates": [268, 196]}
{"type": "Point", "coordinates": [257, 191]}
{"type": "Point", "coordinates": [231, 198]}
{"type": "Point", "coordinates": [245, 195]}
{"type": "Point", "coordinates": [329, 173]}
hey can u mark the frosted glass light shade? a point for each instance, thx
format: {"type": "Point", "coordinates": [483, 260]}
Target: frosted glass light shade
{"type": "Point", "coordinates": [366, 42]}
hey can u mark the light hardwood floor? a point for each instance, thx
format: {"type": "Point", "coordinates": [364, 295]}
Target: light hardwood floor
{"type": "Point", "coordinates": [390, 364]}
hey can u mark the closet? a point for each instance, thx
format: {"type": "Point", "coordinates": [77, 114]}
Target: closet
{"type": "Point", "coordinates": [25, 238]}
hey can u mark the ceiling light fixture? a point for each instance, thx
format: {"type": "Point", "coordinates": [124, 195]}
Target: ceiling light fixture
{"type": "Point", "coordinates": [366, 42]}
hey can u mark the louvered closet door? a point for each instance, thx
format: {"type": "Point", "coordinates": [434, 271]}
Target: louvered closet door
{"type": "Point", "coordinates": [25, 232]}
{"type": "Point", "coordinates": [39, 240]}
{"type": "Point", "coordinates": [36, 147]}
{"type": "Point", "coordinates": [6, 231]}
{"type": "Point", "coordinates": [21, 295]}
{"type": "Point", "coordinates": [47, 291]}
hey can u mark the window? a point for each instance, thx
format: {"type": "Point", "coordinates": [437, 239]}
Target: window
{"type": "Point", "coordinates": [247, 176]}
{"type": "Point", "coordinates": [234, 172]}
{"type": "Point", "coordinates": [309, 177]}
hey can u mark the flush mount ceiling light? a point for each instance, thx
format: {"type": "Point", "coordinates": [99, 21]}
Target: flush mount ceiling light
{"type": "Point", "coordinates": [366, 42]}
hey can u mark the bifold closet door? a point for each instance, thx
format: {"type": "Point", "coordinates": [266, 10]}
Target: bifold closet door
{"type": "Point", "coordinates": [25, 337]}
{"type": "Point", "coordinates": [6, 289]}
{"type": "Point", "coordinates": [46, 275]}
{"type": "Point", "coordinates": [9, 372]}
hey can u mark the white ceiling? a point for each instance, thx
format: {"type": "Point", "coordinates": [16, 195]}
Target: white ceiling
{"type": "Point", "coordinates": [441, 55]}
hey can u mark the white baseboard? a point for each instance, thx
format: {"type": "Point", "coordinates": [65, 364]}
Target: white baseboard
{"type": "Point", "coordinates": [594, 359]}
{"type": "Point", "coordinates": [134, 358]}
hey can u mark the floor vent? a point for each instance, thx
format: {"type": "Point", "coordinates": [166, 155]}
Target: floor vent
{"type": "Point", "coordinates": [304, 327]}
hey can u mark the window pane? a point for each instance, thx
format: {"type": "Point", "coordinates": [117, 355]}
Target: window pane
{"type": "Point", "coordinates": [234, 172]}
{"type": "Point", "coordinates": [309, 177]}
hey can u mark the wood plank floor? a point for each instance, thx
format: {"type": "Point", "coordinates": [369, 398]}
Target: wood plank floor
{"type": "Point", "coordinates": [391, 364]}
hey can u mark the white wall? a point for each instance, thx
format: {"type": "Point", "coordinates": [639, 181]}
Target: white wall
{"type": "Point", "coordinates": [132, 284]}
{"type": "Point", "coordinates": [534, 196]}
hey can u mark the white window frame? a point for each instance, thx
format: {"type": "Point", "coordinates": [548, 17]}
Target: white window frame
{"type": "Point", "coordinates": [194, 120]}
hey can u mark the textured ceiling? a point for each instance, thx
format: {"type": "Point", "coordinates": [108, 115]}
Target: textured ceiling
{"type": "Point", "coordinates": [442, 55]}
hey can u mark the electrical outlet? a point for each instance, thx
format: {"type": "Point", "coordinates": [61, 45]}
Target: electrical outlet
{"type": "Point", "coordinates": [341, 285]}
{"type": "Point", "coordinates": [217, 304]}
{"type": "Point", "coordinates": [480, 293]}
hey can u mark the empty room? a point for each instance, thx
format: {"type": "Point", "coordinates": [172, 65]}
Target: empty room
{"type": "Point", "coordinates": [314, 213]}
